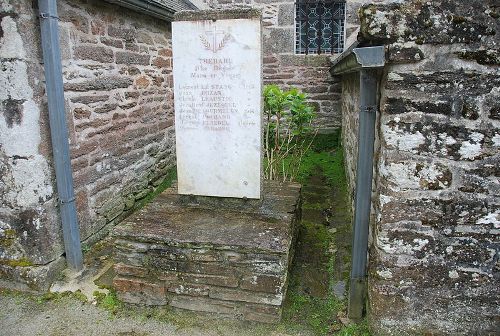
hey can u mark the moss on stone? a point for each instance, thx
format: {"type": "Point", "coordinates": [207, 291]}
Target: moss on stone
{"type": "Point", "coordinates": [108, 302]}
{"type": "Point", "coordinates": [21, 262]}
{"type": "Point", "coordinates": [169, 178]}
{"type": "Point", "coordinates": [9, 236]}
{"type": "Point", "coordinates": [483, 57]}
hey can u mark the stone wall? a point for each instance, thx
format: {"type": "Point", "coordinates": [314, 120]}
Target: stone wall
{"type": "Point", "coordinates": [117, 81]}
{"type": "Point", "coordinates": [350, 120]}
{"type": "Point", "coordinates": [281, 66]}
{"type": "Point", "coordinates": [435, 252]}
{"type": "Point", "coordinates": [29, 223]}
{"type": "Point", "coordinates": [117, 73]}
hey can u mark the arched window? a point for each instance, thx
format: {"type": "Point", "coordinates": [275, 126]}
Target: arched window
{"type": "Point", "coordinates": [319, 26]}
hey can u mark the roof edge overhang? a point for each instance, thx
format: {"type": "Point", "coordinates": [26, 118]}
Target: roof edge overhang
{"type": "Point", "coordinates": [164, 10]}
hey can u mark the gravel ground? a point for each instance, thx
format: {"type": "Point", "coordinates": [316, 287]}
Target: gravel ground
{"type": "Point", "coordinates": [22, 314]}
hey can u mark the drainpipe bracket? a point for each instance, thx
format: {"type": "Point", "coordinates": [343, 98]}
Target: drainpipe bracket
{"type": "Point", "coordinates": [48, 16]}
{"type": "Point", "coordinates": [71, 200]}
{"type": "Point", "coordinates": [369, 108]}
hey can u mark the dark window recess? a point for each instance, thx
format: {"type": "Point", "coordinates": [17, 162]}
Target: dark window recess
{"type": "Point", "coordinates": [319, 27]}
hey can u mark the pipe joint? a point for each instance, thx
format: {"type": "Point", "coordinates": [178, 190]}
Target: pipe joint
{"type": "Point", "coordinates": [69, 200]}
{"type": "Point", "coordinates": [48, 16]}
{"type": "Point", "coordinates": [368, 108]}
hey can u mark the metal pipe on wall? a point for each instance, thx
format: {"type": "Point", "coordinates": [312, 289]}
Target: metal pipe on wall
{"type": "Point", "coordinates": [364, 174]}
{"type": "Point", "coordinates": [59, 131]}
{"type": "Point", "coordinates": [368, 61]}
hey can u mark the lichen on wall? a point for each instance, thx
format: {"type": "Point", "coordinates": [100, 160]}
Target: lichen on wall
{"type": "Point", "coordinates": [119, 108]}
{"type": "Point", "coordinates": [26, 188]}
{"type": "Point", "coordinates": [434, 255]}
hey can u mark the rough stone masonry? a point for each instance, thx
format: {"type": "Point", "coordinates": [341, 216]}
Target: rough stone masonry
{"type": "Point", "coordinates": [434, 256]}
{"type": "Point", "coordinates": [221, 255]}
{"type": "Point", "coordinates": [283, 67]}
{"type": "Point", "coordinates": [119, 105]}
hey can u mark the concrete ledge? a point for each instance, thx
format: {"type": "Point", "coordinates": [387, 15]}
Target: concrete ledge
{"type": "Point", "coordinates": [213, 14]}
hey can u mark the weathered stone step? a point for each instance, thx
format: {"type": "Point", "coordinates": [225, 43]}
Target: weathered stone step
{"type": "Point", "coordinates": [224, 255]}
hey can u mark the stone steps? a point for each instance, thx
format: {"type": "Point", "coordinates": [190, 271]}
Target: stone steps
{"type": "Point", "coordinates": [214, 255]}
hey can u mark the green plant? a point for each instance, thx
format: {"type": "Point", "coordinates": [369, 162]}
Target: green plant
{"type": "Point", "coordinates": [288, 133]}
{"type": "Point", "coordinates": [109, 302]}
{"type": "Point", "coordinates": [355, 329]}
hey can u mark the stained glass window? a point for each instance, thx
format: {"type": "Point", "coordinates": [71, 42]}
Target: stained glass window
{"type": "Point", "coordinates": [319, 26]}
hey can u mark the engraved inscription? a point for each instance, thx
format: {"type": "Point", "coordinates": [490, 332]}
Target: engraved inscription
{"type": "Point", "coordinates": [217, 98]}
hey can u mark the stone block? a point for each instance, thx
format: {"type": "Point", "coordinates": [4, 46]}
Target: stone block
{"type": "Point", "coordinates": [203, 305]}
{"type": "Point", "coordinates": [261, 313]}
{"type": "Point", "coordinates": [263, 283]}
{"type": "Point", "coordinates": [161, 62]}
{"type": "Point", "coordinates": [127, 34]}
{"type": "Point", "coordinates": [404, 105]}
{"type": "Point", "coordinates": [81, 113]}
{"type": "Point", "coordinates": [286, 14]}
{"type": "Point", "coordinates": [189, 289]}
{"type": "Point", "coordinates": [131, 258]}
{"type": "Point", "coordinates": [131, 246]}
{"type": "Point", "coordinates": [263, 266]}
{"type": "Point", "coordinates": [140, 291]}
{"type": "Point", "coordinates": [443, 82]}
{"type": "Point", "coordinates": [31, 278]}
{"type": "Point", "coordinates": [125, 57]}
{"type": "Point", "coordinates": [229, 294]}
{"type": "Point", "coordinates": [207, 268]}
{"type": "Point", "coordinates": [128, 270]}
{"type": "Point", "coordinates": [84, 99]}
{"type": "Point", "coordinates": [416, 175]}
{"type": "Point", "coordinates": [105, 108]}
{"type": "Point", "coordinates": [144, 37]}
{"type": "Point", "coordinates": [94, 53]}
{"type": "Point", "coordinates": [112, 42]}
{"type": "Point", "coordinates": [99, 84]}
{"type": "Point", "coordinates": [399, 54]}
{"type": "Point", "coordinates": [165, 52]}
{"type": "Point", "coordinates": [216, 280]}
{"type": "Point", "coordinates": [78, 19]}
{"type": "Point", "coordinates": [279, 40]}
{"type": "Point", "coordinates": [430, 23]}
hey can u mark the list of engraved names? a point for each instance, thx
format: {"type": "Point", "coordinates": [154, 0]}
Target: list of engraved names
{"type": "Point", "coordinates": [217, 100]}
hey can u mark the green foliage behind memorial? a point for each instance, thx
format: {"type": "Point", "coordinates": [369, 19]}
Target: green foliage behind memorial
{"type": "Point", "coordinates": [288, 132]}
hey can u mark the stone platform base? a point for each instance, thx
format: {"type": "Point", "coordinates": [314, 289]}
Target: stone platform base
{"type": "Point", "coordinates": [228, 256]}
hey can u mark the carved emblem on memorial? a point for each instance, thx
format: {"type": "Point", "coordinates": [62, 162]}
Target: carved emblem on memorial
{"type": "Point", "coordinates": [215, 40]}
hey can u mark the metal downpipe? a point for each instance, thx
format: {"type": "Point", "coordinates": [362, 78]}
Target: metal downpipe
{"type": "Point", "coordinates": [364, 175]}
{"type": "Point", "coordinates": [59, 131]}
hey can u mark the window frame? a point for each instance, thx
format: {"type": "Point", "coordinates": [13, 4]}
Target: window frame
{"type": "Point", "coordinates": [298, 50]}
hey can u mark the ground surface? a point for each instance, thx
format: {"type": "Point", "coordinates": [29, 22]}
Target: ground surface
{"type": "Point", "coordinates": [315, 304]}
{"type": "Point", "coordinates": [23, 315]}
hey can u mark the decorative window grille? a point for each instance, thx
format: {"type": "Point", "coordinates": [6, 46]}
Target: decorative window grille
{"type": "Point", "coordinates": [319, 26]}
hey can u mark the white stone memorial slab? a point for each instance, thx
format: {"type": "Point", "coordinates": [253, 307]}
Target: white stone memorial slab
{"type": "Point", "coordinates": [217, 89]}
